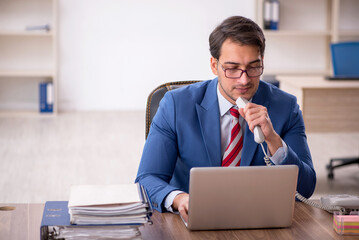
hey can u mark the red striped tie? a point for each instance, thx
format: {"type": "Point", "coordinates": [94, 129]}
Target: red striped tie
{"type": "Point", "coordinates": [232, 154]}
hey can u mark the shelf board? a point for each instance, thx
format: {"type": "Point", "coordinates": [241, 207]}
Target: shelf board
{"type": "Point", "coordinates": [349, 33]}
{"type": "Point", "coordinates": [27, 73]}
{"type": "Point", "coordinates": [300, 72]}
{"type": "Point", "coordinates": [24, 113]}
{"type": "Point", "coordinates": [19, 33]}
{"type": "Point", "coordinates": [290, 33]}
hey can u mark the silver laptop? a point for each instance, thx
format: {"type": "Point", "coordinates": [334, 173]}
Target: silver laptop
{"type": "Point", "coordinates": [241, 197]}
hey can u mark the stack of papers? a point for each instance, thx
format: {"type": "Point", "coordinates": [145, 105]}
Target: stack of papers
{"type": "Point", "coordinates": [125, 204]}
{"type": "Point", "coordinates": [56, 224]}
{"type": "Point", "coordinates": [94, 232]}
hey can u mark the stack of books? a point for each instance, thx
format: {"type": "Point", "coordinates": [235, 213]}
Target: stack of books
{"type": "Point", "coordinates": [98, 212]}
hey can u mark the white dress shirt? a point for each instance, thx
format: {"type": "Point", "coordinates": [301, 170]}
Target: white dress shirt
{"type": "Point", "coordinates": [226, 123]}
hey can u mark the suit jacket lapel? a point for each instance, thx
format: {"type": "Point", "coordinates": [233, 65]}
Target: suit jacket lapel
{"type": "Point", "coordinates": [208, 115]}
{"type": "Point", "coordinates": [249, 145]}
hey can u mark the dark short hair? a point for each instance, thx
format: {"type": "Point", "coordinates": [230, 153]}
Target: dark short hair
{"type": "Point", "coordinates": [238, 29]}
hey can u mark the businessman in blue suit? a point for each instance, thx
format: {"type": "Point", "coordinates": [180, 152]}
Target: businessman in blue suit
{"type": "Point", "coordinates": [192, 127]}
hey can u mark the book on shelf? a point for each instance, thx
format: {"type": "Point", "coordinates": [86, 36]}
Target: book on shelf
{"type": "Point", "coordinates": [270, 14]}
{"type": "Point", "coordinates": [46, 97]}
{"type": "Point", "coordinates": [98, 211]}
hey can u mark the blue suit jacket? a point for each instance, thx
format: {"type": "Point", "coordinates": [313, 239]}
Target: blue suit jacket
{"type": "Point", "coordinates": [185, 133]}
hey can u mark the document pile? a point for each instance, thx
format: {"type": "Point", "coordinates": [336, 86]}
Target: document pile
{"type": "Point", "coordinates": [108, 204]}
{"type": "Point", "coordinates": [98, 212]}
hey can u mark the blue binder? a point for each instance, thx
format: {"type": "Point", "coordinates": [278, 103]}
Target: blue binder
{"type": "Point", "coordinates": [46, 97]}
{"type": "Point", "coordinates": [56, 213]}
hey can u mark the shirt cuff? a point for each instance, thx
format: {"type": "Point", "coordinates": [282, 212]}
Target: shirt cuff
{"type": "Point", "coordinates": [279, 155]}
{"type": "Point", "coordinates": [169, 200]}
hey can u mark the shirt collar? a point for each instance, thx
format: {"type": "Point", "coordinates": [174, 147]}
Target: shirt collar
{"type": "Point", "coordinates": [224, 104]}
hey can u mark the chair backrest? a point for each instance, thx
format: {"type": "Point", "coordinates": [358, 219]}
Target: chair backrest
{"type": "Point", "coordinates": [155, 97]}
{"type": "Point", "coordinates": [345, 59]}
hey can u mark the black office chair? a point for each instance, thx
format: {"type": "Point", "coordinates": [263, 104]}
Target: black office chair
{"type": "Point", "coordinates": [155, 97]}
{"type": "Point", "coordinates": [342, 162]}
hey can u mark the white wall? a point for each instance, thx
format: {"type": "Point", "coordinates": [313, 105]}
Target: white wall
{"type": "Point", "coordinates": [112, 53]}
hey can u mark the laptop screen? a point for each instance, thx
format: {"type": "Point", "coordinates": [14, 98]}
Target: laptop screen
{"type": "Point", "coordinates": [241, 197]}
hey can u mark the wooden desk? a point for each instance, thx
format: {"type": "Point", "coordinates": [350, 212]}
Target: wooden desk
{"type": "Point", "coordinates": [308, 223]}
{"type": "Point", "coordinates": [327, 105]}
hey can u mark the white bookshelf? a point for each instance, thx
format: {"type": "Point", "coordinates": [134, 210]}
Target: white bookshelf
{"type": "Point", "coordinates": [301, 45]}
{"type": "Point", "coordinates": [27, 57]}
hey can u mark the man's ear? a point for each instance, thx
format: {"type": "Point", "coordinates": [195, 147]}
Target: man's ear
{"type": "Point", "coordinates": [214, 65]}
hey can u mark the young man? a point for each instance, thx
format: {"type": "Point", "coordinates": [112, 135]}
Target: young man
{"type": "Point", "coordinates": [193, 125]}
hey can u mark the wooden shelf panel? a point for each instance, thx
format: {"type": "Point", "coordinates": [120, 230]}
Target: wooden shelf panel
{"type": "Point", "coordinates": [349, 33]}
{"type": "Point", "coordinates": [317, 82]}
{"type": "Point", "coordinates": [297, 72]}
{"type": "Point", "coordinates": [27, 73]}
{"type": "Point", "coordinates": [17, 33]}
{"type": "Point", "coordinates": [296, 33]}
{"type": "Point", "coordinates": [24, 113]}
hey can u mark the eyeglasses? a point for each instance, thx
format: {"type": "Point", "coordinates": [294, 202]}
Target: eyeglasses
{"type": "Point", "coordinates": [237, 72]}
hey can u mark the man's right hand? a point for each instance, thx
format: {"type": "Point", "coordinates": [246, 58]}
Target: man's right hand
{"type": "Point", "coordinates": [180, 204]}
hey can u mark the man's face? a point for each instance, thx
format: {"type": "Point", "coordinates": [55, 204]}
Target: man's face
{"type": "Point", "coordinates": [234, 56]}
